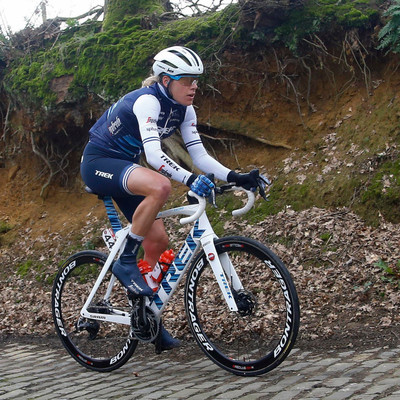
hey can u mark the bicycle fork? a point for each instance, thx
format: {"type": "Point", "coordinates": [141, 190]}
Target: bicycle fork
{"type": "Point", "coordinates": [224, 271]}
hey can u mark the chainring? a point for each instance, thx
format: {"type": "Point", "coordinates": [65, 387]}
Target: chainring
{"type": "Point", "coordinates": [149, 331]}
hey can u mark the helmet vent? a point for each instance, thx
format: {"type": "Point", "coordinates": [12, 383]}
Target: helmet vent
{"type": "Point", "coordinates": [194, 55]}
{"type": "Point", "coordinates": [169, 64]}
{"type": "Point", "coordinates": [180, 55]}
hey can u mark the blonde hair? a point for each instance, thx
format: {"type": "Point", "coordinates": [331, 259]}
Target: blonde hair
{"type": "Point", "coordinates": [150, 80]}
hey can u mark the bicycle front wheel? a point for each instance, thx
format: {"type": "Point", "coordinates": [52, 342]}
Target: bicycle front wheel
{"type": "Point", "coordinates": [260, 335]}
{"type": "Point", "coordinates": [96, 344]}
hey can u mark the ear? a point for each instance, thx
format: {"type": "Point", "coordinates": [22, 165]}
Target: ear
{"type": "Point", "coordinates": [165, 80]}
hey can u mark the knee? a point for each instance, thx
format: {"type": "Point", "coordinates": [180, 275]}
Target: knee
{"type": "Point", "coordinates": [162, 188]}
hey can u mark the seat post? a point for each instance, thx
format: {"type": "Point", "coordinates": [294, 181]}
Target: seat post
{"type": "Point", "coordinates": [112, 213]}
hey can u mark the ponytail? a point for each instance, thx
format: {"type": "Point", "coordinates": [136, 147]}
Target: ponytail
{"type": "Point", "coordinates": [150, 80]}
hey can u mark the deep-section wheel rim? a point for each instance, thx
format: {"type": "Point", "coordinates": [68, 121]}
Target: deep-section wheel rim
{"type": "Point", "coordinates": [258, 337]}
{"type": "Point", "coordinates": [95, 344]}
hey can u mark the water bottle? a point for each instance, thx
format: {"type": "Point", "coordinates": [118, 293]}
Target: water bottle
{"type": "Point", "coordinates": [162, 266]}
{"type": "Point", "coordinates": [154, 276]}
{"type": "Point", "coordinates": [146, 270]}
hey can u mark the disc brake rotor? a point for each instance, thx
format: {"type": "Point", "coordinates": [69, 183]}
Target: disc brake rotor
{"type": "Point", "coordinates": [245, 301]}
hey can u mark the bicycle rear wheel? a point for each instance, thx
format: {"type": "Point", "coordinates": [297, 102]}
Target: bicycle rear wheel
{"type": "Point", "coordinates": [258, 337]}
{"type": "Point", "coordinates": [96, 344]}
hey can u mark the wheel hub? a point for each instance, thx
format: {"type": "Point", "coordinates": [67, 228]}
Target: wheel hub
{"type": "Point", "coordinates": [245, 301]}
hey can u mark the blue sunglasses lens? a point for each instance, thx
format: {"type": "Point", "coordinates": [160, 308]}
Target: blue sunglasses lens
{"type": "Point", "coordinates": [185, 80]}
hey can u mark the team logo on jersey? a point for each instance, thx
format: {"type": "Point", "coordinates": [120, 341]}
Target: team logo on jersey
{"type": "Point", "coordinates": [115, 126]}
{"type": "Point", "coordinates": [170, 163]}
{"type": "Point", "coordinates": [165, 132]}
{"type": "Point", "coordinates": [162, 171]}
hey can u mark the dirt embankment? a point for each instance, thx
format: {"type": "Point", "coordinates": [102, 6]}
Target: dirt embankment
{"type": "Point", "coordinates": [337, 260]}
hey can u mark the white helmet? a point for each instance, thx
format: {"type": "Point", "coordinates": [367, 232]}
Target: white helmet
{"type": "Point", "coordinates": [177, 60]}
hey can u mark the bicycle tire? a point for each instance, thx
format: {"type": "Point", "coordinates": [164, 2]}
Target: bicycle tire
{"type": "Point", "coordinates": [258, 337]}
{"type": "Point", "coordinates": [95, 344]}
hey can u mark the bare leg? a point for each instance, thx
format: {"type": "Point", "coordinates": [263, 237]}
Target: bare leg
{"type": "Point", "coordinates": [155, 242]}
{"type": "Point", "coordinates": [156, 189]}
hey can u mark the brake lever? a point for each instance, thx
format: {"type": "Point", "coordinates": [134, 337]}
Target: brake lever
{"type": "Point", "coordinates": [211, 198]}
{"type": "Point", "coordinates": [263, 182]}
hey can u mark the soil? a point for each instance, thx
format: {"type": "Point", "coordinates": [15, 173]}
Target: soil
{"type": "Point", "coordinates": [345, 271]}
{"type": "Point", "coordinates": [346, 302]}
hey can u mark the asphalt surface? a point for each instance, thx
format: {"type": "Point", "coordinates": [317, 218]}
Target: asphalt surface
{"type": "Point", "coordinates": [42, 371]}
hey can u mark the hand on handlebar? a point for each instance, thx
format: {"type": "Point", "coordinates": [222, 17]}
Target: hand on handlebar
{"type": "Point", "coordinates": [250, 181]}
{"type": "Point", "coordinates": [202, 186]}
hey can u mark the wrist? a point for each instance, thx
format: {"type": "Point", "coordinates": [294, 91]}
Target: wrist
{"type": "Point", "coordinates": [191, 179]}
{"type": "Point", "coordinates": [232, 177]}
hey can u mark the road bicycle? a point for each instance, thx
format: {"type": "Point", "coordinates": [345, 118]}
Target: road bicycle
{"type": "Point", "coordinates": [240, 300]}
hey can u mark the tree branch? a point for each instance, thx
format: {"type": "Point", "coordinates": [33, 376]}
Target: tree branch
{"type": "Point", "coordinates": [95, 10]}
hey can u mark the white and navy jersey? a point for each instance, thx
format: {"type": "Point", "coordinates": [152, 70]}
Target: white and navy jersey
{"type": "Point", "coordinates": [140, 120]}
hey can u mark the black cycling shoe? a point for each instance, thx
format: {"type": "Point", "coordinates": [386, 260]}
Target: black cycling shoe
{"type": "Point", "coordinates": [165, 341]}
{"type": "Point", "coordinates": [127, 272]}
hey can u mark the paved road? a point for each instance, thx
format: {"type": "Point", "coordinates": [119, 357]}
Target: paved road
{"type": "Point", "coordinates": [40, 371]}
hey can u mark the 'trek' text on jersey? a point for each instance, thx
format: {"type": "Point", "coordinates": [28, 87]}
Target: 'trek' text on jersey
{"type": "Point", "coordinates": [171, 164]}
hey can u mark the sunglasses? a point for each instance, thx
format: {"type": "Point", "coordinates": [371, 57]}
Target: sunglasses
{"type": "Point", "coordinates": [185, 80]}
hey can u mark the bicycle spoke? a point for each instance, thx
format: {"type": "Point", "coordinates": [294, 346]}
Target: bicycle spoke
{"type": "Point", "coordinates": [96, 344]}
{"type": "Point", "coordinates": [260, 335]}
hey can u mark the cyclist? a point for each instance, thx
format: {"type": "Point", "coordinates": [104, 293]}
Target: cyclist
{"type": "Point", "coordinates": [137, 123]}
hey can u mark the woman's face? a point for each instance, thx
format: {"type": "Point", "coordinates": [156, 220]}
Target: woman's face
{"type": "Point", "coordinates": [182, 90]}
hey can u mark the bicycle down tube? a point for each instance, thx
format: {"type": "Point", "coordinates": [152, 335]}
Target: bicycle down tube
{"type": "Point", "coordinates": [201, 234]}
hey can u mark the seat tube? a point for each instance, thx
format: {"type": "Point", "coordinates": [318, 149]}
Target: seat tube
{"type": "Point", "coordinates": [121, 236]}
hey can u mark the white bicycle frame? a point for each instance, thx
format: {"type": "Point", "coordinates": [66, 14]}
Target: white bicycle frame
{"type": "Point", "coordinates": [201, 235]}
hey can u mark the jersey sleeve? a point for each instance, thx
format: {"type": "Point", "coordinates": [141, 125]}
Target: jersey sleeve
{"type": "Point", "coordinates": [201, 159]}
{"type": "Point", "coordinates": [147, 109]}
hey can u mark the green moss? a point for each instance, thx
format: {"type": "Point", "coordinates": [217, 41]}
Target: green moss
{"type": "Point", "coordinates": [118, 10]}
{"type": "Point", "coordinates": [109, 63]}
{"type": "Point", "coordinates": [382, 194]}
{"type": "Point", "coordinates": [5, 227]}
{"type": "Point", "coordinates": [25, 268]}
{"type": "Point", "coordinates": [326, 236]}
{"type": "Point", "coordinates": [116, 60]}
{"type": "Point", "coordinates": [324, 15]}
